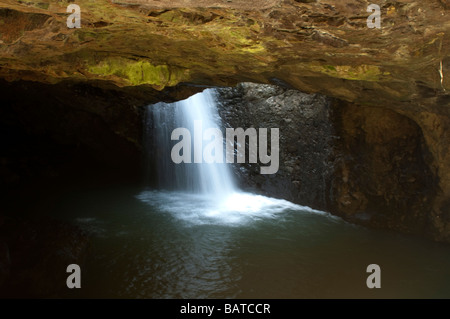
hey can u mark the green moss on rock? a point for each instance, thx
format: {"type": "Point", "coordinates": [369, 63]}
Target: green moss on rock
{"type": "Point", "coordinates": [139, 72]}
{"type": "Point", "coordinates": [361, 72]}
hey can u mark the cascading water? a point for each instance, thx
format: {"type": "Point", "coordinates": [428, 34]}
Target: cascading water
{"type": "Point", "coordinates": [198, 192]}
{"type": "Point", "coordinates": [203, 178]}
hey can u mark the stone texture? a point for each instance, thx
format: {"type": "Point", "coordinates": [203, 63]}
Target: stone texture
{"type": "Point", "coordinates": [383, 172]}
{"type": "Point", "coordinates": [369, 165]}
{"type": "Point", "coordinates": [306, 137]}
{"type": "Point", "coordinates": [320, 46]}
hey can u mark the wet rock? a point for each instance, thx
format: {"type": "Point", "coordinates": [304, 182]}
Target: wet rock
{"type": "Point", "coordinates": [306, 136]}
{"type": "Point", "coordinates": [371, 166]}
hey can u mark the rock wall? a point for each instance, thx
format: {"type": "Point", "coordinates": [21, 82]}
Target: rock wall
{"type": "Point", "coordinates": [383, 175]}
{"type": "Point", "coordinates": [306, 139]}
{"type": "Point", "coordinates": [370, 165]}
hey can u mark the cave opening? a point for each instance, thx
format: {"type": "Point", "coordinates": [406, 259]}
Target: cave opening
{"type": "Point", "coordinates": [77, 153]}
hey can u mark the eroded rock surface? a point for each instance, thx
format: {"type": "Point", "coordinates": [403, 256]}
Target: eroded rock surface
{"type": "Point", "coordinates": [306, 139]}
{"type": "Point", "coordinates": [369, 165]}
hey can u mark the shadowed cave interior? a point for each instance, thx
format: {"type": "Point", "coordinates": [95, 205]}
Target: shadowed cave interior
{"type": "Point", "coordinates": [68, 142]}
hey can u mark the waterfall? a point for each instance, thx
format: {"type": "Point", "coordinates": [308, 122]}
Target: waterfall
{"type": "Point", "coordinates": [198, 193]}
{"type": "Point", "coordinates": [162, 118]}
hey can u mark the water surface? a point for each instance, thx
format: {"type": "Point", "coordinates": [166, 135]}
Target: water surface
{"type": "Point", "coordinates": [158, 244]}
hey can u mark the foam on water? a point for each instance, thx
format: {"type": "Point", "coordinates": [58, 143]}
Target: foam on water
{"type": "Point", "coordinates": [236, 209]}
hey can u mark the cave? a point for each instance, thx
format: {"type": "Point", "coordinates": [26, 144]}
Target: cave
{"type": "Point", "coordinates": [337, 158]}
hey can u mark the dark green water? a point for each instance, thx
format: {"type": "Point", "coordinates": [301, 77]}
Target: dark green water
{"type": "Point", "coordinates": [169, 245]}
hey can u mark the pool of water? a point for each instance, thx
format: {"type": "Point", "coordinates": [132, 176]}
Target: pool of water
{"type": "Point", "coordinates": [157, 244]}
